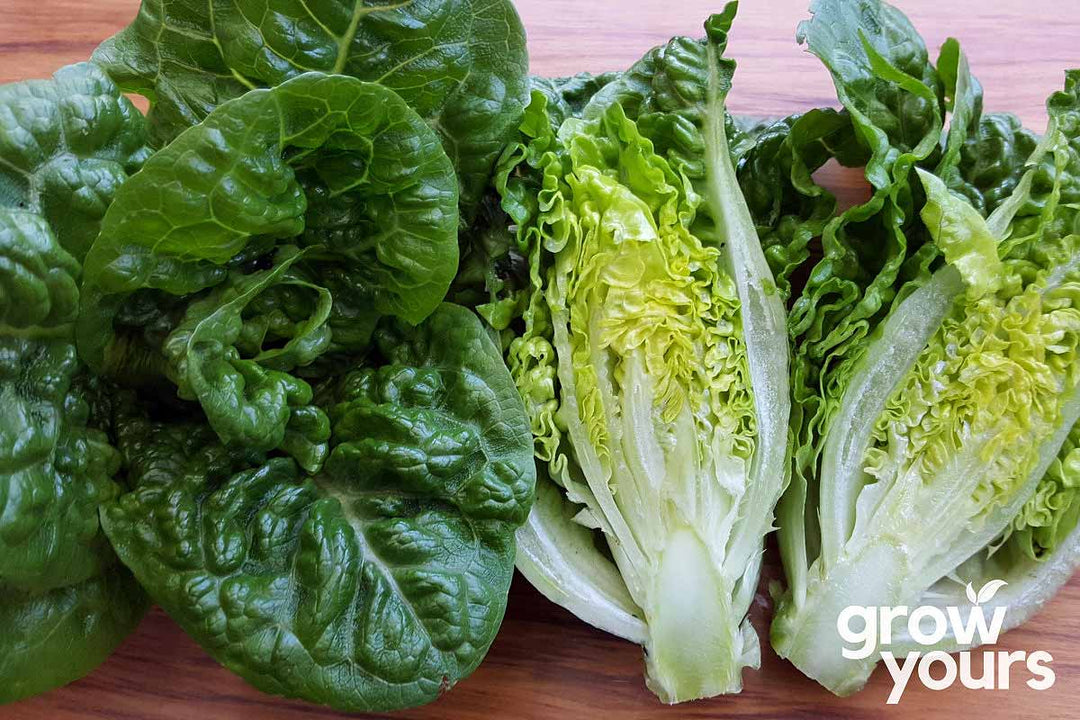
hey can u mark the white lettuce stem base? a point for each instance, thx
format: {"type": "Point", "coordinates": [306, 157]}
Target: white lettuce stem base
{"type": "Point", "coordinates": [807, 634]}
{"type": "Point", "coordinates": [696, 646]}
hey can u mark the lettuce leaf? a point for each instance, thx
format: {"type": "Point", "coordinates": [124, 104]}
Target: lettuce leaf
{"type": "Point", "coordinates": [378, 582]}
{"type": "Point", "coordinates": [66, 602]}
{"type": "Point", "coordinates": [460, 64]}
{"type": "Point", "coordinates": [336, 184]}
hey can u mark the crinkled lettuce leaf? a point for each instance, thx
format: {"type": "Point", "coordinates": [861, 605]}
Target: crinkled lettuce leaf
{"type": "Point", "coordinates": [66, 602]}
{"type": "Point", "coordinates": [1049, 516]}
{"type": "Point", "coordinates": [375, 584]}
{"type": "Point", "coordinates": [789, 208]}
{"type": "Point", "coordinates": [250, 399]}
{"type": "Point", "coordinates": [283, 226]}
{"type": "Point", "coordinates": [68, 143]}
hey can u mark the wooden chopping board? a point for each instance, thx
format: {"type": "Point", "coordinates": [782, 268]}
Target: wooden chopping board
{"type": "Point", "coordinates": [545, 663]}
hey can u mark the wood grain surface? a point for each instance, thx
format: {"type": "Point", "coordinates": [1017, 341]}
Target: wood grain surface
{"type": "Point", "coordinates": [544, 663]}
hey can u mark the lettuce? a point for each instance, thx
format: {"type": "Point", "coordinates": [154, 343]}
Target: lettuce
{"type": "Point", "coordinates": [374, 584]}
{"type": "Point", "coordinates": [460, 64]}
{"type": "Point", "coordinates": [935, 373]}
{"type": "Point", "coordinates": [66, 145]}
{"type": "Point", "coordinates": [231, 383]}
{"type": "Point", "coordinates": [341, 167]}
{"type": "Point", "coordinates": [652, 355]}
{"type": "Point", "coordinates": [327, 462]}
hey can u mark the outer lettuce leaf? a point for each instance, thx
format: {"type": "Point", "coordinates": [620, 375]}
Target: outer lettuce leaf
{"type": "Point", "coordinates": [68, 143]}
{"type": "Point", "coordinates": [557, 554]}
{"type": "Point", "coordinates": [963, 99]}
{"type": "Point", "coordinates": [380, 582]}
{"type": "Point", "coordinates": [1061, 185]}
{"type": "Point", "coordinates": [318, 151]}
{"type": "Point", "coordinates": [883, 77]}
{"type": "Point", "coordinates": [568, 96]}
{"type": "Point", "coordinates": [789, 208]}
{"type": "Point", "coordinates": [342, 167]}
{"type": "Point", "coordinates": [461, 64]}
{"type": "Point", "coordinates": [993, 160]}
{"type": "Point", "coordinates": [65, 600]}
{"type": "Point", "coordinates": [39, 279]}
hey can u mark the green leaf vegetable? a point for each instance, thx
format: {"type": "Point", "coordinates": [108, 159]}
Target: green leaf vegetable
{"type": "Point", "coordinates": [333, 515]}
{"type": "Point", "coordinates": [66, 145]}
{"type": "Point", "coordinates": [237, 377]}
{"type": "Point", "coordinates": [328, 464]}
{"type": "Point", "coordinates": [378, 582]}
{"type": "Point", "coordinates": [340, 167]}
{"type": "Point", "coordinates": [935, 381]}
{"type": "Point", "coordinates": [461, 64]}
{"type": "Point", "coordinates": [653, 362]}
{"type": "Point", "coordinates": [774, 161]}
{"type": "Point", "coordinates": [788, 207]}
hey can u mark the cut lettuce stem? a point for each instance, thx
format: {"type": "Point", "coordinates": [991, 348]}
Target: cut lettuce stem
{"type": "Point", "coordinates": [697, 646]}
{"type": "Point", "coordinates": [697, 641]}
{"type": "Point", "coordinates": [807, 636]}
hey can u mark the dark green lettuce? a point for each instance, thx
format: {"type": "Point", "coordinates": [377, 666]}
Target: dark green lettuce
{"type": "Point", "coordinates": [326, 199]}
{"type": "Point", "coordinates": [375, 584]}
{"type": "Point", "coordinates": [461, 64]}
{"type": "Point", "coordinates": [66, 145]}
{"type": "Point", "coordinates": [789, 208]}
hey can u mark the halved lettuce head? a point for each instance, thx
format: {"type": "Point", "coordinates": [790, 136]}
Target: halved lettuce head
{"type": "Point", "coordinates": [652, 355]}
{"type": "Point", "coordinates": [935, 373]}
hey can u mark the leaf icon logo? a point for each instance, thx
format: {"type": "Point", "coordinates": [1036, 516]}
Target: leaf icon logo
{"type": "Point", "coordinates": [989, 590]}
{"type": "Point", "coordinates": [985, 594]}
